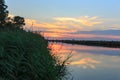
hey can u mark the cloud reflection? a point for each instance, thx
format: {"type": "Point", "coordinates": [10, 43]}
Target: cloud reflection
{"type": "Point", "coordinates": [77, 59]}
{"type": "Point", "coordinates": [86, 62]}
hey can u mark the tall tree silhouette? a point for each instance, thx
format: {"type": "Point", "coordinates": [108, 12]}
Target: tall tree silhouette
{"type": "Point", "coordinates": [3, 13]}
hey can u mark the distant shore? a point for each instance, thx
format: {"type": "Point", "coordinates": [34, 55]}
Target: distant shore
{"type": "Point", "coordinates": [112, 44]}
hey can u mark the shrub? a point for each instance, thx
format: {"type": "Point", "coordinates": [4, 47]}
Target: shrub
{"type": "Point", "coordinates": [25, 56]}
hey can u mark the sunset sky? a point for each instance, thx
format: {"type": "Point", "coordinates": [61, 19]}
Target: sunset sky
{"type": "Point", "coordinates": [70, 19]}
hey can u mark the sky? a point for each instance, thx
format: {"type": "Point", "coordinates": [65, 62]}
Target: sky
{"type": "Point", "coordinates": [70, 19]}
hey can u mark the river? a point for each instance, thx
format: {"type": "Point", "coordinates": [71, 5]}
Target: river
{"type": "Point", "coordinates": [88, 62]}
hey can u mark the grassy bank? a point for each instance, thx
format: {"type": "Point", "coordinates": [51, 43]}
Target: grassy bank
{"type": "Point", "coordinates": [25, 56]}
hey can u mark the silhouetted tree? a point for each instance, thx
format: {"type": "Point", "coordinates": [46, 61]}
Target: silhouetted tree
{"type": "Point", "coordinates": [7, 22]}
{"type": "Point", "coordinates": [3, 13]}
{"type": "Point", "coordinates": [19, 22]}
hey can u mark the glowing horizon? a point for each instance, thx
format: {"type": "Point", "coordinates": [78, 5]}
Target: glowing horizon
{"type": "Point", "coordinates": [58, 19]}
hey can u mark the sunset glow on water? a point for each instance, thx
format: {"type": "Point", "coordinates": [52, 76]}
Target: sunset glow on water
{"type": "Point", "coordinates": [90, 63]}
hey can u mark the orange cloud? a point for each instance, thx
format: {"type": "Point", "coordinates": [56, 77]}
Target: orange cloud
{"type": "Point", "coordinates": [45, 26]}
{"type": "Point", "coordinates": [64, 24]}
{"type": "Point", "coordinates": [85, 20]}
{"type": "Point", "coordinates": [61, 28]}
{"type": "Point", "coordinates": [58, 27]}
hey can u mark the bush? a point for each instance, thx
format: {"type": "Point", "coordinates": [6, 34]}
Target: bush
{"type": "Point", "coordinates": [25, 56]}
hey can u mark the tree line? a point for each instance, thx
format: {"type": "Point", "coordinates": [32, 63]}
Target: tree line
{"type": "Point", "coordinates": [112, 44]}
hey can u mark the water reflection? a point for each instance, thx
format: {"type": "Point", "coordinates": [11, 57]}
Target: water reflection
{"type": "Point", "coordinates": [90, 63]}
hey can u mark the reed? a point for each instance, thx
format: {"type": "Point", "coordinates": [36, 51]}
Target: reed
{"type": "Point", "coordinates": [25, 56]}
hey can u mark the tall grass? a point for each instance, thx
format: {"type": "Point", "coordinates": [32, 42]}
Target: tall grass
{"type": "Point", "coordinates": [25, 56]}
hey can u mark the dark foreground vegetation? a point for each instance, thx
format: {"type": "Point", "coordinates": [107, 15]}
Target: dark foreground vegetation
{"type": "Point", "coordinates": [24, 55]}
{"type": "Point", "coordinates": [112, 44]}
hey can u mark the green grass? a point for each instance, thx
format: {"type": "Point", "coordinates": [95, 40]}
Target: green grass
{"type": "Point", "coordinates": [25, 56]}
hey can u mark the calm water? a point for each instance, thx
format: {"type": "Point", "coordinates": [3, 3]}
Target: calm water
{"type": "Point", "coordinates": [90, 63]}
